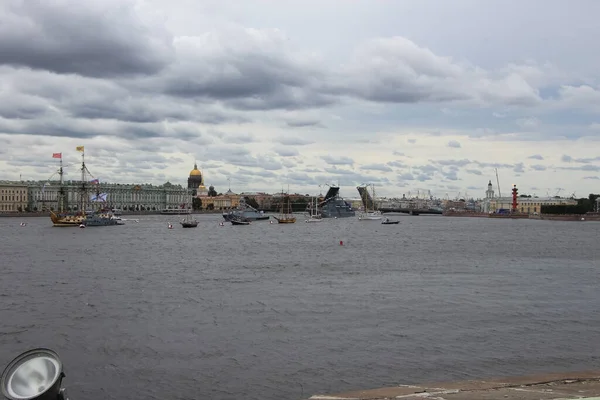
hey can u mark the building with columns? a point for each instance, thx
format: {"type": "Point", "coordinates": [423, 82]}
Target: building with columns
{"type": "Point", "coordinates": [43, 196]}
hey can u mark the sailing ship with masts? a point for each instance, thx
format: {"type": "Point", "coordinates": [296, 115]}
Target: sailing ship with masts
{"type": "Point", "coordinates": [100, 216]}
{"type": "Point", "coordinates": [370, 211]}
{"type": "Point", "coordinates": [285, 214]}
{"type": "Point", "coordinates": [313, 211]}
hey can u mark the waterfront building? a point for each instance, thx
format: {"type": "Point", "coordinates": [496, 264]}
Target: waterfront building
{"type": "Point", "coordinates": [209, 198]}
{"type": "Point", "coordinates": [529, 205]}
{"type": "Point", "coordinates": [212, 201]}
{"type": "Point", "coordinates": [13, 197]}
{"type": "Point", "coordinates": [43, 196]}
{"type": "Point", "coordinates": [526, 205]}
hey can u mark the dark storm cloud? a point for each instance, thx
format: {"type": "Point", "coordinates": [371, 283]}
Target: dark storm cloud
{"type": "Point", "coordinates": [103, 38]}
{"type": "Point", "coordinates": [253, 72]}
{"type": "Point", "coordinates": [20, 106]}
{"type": "Point", "coordinates": [85, 129]}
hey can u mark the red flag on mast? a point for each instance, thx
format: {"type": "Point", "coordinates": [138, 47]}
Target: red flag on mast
{"type": "Point", "coordinates": [56, 155]}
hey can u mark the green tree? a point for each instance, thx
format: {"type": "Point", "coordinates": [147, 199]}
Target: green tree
{"type": "Point", "coordinates": [299, 204]}
{"type": "Point", "coordinates": [196, 203]}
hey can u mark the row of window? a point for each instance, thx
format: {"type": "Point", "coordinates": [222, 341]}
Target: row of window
{"type": "Point", "coordinates": [13, 198]}
{"type": "Point", "coordinates": [12, 191]}
{"type": "Point", "coordinates": [10, 207]}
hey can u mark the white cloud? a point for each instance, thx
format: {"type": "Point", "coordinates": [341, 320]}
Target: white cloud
{"type": "Point", "coordinates": [160, 84]}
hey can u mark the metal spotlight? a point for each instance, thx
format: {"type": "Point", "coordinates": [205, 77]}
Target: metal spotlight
{"type": "Point", "coordinates": [36, 374]}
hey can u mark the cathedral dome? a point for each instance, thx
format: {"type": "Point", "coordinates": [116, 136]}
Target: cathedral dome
{"type": "Point", "coordinates": [195, 171]}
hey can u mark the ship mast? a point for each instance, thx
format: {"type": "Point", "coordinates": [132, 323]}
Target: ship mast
{"type": "Point", "coordinates": [83, 194]}
{"type": "Point", "coordinates": [61, 190]}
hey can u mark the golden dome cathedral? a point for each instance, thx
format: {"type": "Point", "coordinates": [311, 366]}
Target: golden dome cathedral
{"type": "Point", "coordinates": [195, 171]}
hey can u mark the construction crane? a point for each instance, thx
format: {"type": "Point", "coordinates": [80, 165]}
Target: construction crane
{"type": "Point", "coordinates": [498, 183]}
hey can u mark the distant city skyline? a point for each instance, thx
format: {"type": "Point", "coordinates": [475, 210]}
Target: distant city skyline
{"type": "Point", "coordinates": [413, 95]}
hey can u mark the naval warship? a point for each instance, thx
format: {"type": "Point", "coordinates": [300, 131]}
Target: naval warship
{"type": "Point", "coordinates": [245, 212]}
{"type": "Point", "coordinates": [334, 206]}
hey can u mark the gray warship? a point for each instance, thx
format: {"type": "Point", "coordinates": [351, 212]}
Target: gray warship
{"type": "Point", "coordinates": [333, 206]}
{"type": "Point", "coordinates": [245, 212]}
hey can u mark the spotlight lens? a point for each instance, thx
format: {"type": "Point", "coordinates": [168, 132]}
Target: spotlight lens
{"type": "Point", "coordinates": [32, 376]}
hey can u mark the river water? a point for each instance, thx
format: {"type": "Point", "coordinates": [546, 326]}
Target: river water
{"type": "Point", "coordinates": [271, 311]}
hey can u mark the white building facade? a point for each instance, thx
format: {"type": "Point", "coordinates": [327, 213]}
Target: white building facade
{"type": "Point", "coordinates": [43, 196]}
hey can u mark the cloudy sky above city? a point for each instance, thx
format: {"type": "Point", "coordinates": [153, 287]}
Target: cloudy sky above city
{"type": "Point", "coordinates": [411, 95]}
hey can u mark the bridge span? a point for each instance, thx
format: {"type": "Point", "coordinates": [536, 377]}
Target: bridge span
{"type": "Point", "coordinates": [411, 211]}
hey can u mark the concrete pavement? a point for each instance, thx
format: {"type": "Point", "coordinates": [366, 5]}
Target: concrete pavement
{"type": "Point", "coordinates": [562, 386]}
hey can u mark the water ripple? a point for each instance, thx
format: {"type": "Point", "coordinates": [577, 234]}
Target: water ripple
{"type": "Point", "coordinates": [283, 312]}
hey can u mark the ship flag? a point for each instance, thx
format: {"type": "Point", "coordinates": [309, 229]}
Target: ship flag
{"type": "Point", "coordinates": [99, 197]}
{"type": "Point", "coordinates": [56, 155]}
{"type": "Point", "coordinates": [79, 148]}
{"type": "Point", "coordinates": [95, 181]}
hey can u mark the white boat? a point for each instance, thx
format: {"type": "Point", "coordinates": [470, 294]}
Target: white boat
{"type": "Point", "coordinates": [370, 212]}
{"type": "Point", "coordinates": [370, 216]}
{"type": "Point", "coordinates": [313, 212]}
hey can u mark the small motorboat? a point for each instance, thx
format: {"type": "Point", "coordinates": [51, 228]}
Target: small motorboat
{"type": "Point", "coordinates": [239, 221]}
{"type": "Point", "coordinates": [387, 221]}
{"type": "Point", "coordinates": [188, 222]}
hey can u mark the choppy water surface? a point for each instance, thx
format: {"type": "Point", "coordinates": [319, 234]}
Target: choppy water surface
{"type": "Point", "coordinates": [271, 311]}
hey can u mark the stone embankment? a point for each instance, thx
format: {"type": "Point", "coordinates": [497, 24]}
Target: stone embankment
{"type": "Point", "coordinates": [563, 386]}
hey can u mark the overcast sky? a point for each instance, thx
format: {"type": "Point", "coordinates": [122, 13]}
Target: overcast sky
{"type": "Point", "coordinates": [408, 95]}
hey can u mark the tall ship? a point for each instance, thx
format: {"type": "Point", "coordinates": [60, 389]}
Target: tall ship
{"type": "Point", "coordinates": [334, 206]}
{"type": "Point", "coordinates": [286, 215]}
{"type": "Point", "coordinates": [370, 211]}
{"type": "Point", "coordinates": [89, 196]}
{"type": "Point", "coordinates": [245, 212]}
